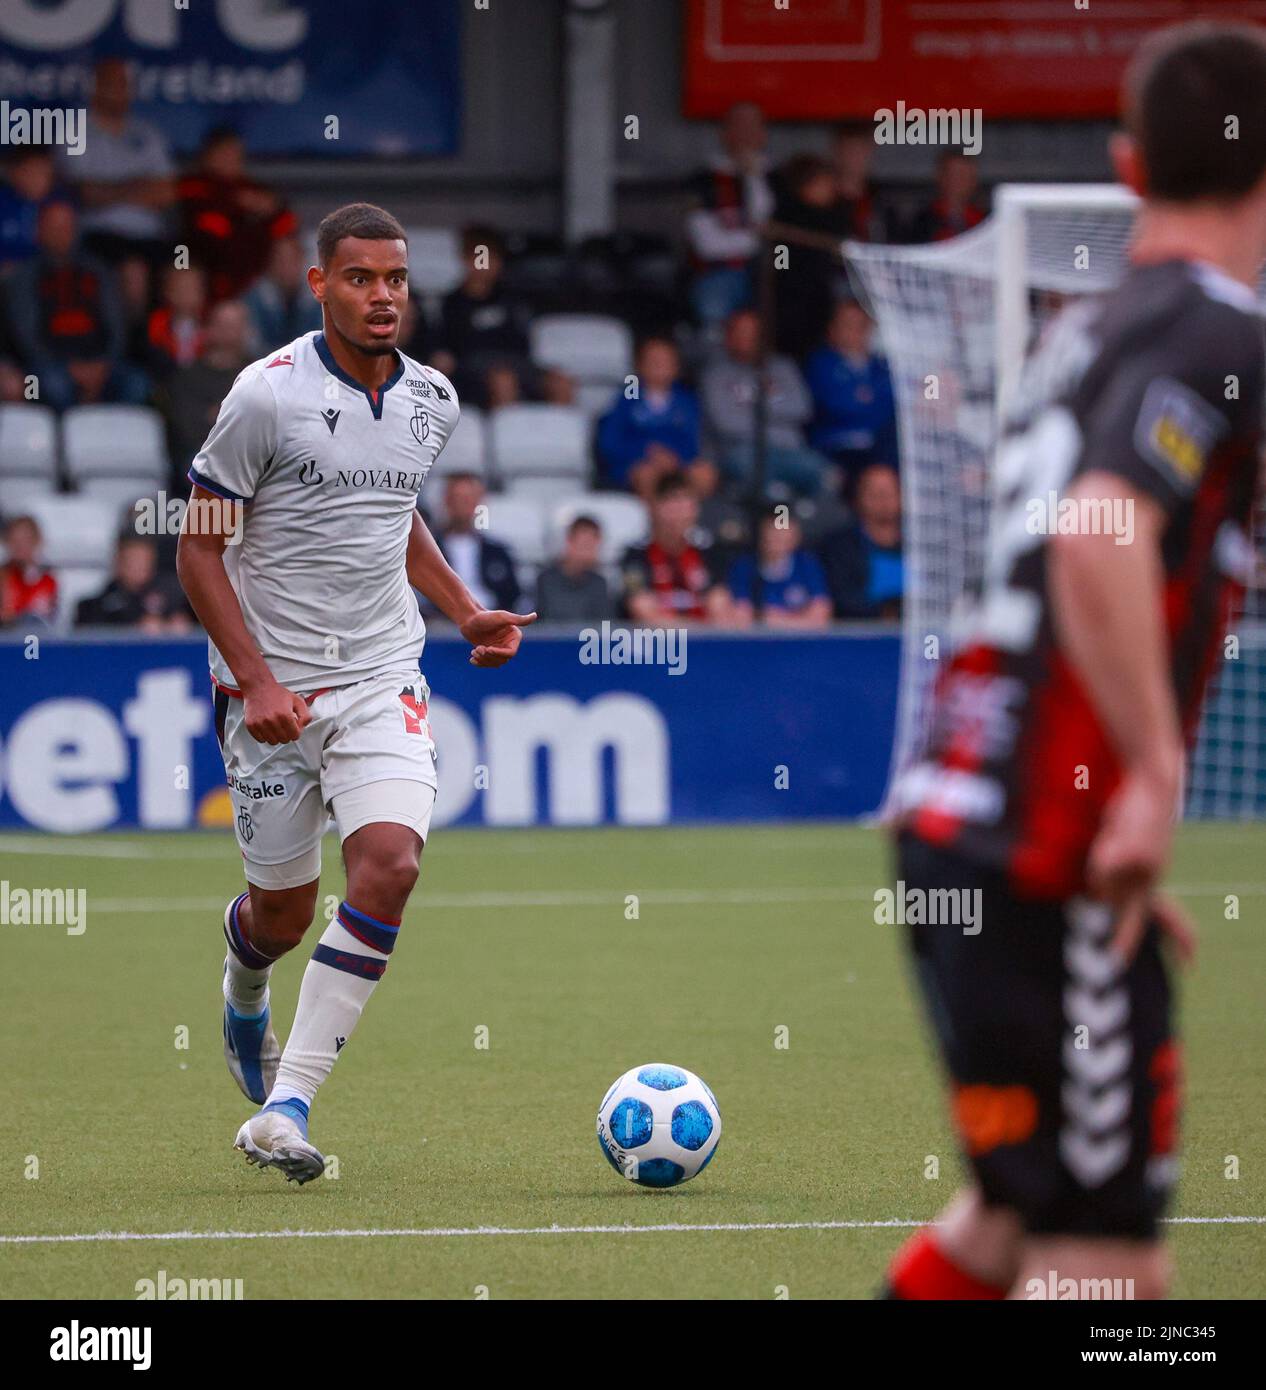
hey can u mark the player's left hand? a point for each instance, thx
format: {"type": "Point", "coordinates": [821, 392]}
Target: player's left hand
{"type": "Point", "coordinates": [495, 635]}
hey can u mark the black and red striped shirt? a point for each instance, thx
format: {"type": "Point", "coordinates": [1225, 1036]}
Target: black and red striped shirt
{"type": "Point", "coordinates": [1160, 383]}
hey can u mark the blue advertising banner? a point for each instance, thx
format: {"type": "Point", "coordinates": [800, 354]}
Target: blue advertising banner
{"type": "Point", "coordinates": [278, 70]}
{"type": "Point", "coordinates": [96, 736]}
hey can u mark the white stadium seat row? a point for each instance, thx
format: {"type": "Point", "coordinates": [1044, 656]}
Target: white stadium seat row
{"type": "Point", "coordinates": [589, 347]}
{"type": "Point", "coordinates": [123, 442]}
{"type": "Point", "coordinates": [550, 443]}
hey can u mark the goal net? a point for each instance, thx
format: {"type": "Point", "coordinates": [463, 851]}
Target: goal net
{"type": "Point", "coordinates": [956, 319]}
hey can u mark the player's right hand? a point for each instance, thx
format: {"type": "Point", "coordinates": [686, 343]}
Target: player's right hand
{"type": "Point", "coordinates": [275, 714]}
{"type": "Point", "coordinates": [1132, 846]}
{"type": "Point", "coordinates": [1130, 852]}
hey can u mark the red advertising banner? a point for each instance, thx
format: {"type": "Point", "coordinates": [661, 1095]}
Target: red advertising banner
{"type": "Point", "coordinates": [831, 59]}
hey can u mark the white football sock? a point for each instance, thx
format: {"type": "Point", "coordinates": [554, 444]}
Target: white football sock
{"type": "Point", "coordinates": [337, 983]}
{"type": "Point", "coordinates": [246, 980]}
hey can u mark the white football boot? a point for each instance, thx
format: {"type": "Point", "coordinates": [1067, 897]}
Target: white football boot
{"type": "Point", "coordinates": [278, 1138]}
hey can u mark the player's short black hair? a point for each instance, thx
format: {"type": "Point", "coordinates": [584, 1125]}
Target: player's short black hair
{"type": "Point", "coordinates": [583, 522]}
{"type": "Point", "coordinates": [1194, 99]}
{"type": "Point", "coordinates": [364, 220]}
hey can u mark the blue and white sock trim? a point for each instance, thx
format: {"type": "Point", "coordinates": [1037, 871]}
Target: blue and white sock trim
{"type": "Point", "coordinates": [369, 931]}
{"type": "Point", "coordinates": [237, 941]}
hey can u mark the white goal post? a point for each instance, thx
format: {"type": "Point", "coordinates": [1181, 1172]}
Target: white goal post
{"type": "Point", "coordinates": [956, 319]}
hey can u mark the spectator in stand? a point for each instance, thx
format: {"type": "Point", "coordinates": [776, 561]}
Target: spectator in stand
{"type": "Point", "coordinates": [813, 276]}
{"type": "Point", "coordinates": [956, 208]}
{"type": "Point", "coordinates": [670, 580]}
{"type": "Point", "coordinates": [555, 387]}
{"type": "Point", "coordinates": [729, 395]}
{"type": "Point", "coordinates": [572, 589]}
{"type": "Point", "coordinates": [231, 222]}
{"type": "Point", "coordinates": [734, 200]}
{"type": "Point", "coordinates": [855, 420]}
{"type": "Point", "coordinates": [132, 280]}
{"type": "Point", "coordinates": [793, 587]}
{"type": "Point", "coordinates": [29, 183]}
{"type": "Point", "coordinates": [857, 207]}
{"type": "Point", "coordinates": [280, 303]}
{"type": "Point", "coordinates": [124, 175]}
{"type": "Point", "coordinates": [864, 569]}
{"type": "Point", "coordinates": [482, 325]}
{"type": "Point", "coordinates": [190, 398]}
{"type": "Point", "coordinates": [138, 596]}
{"type": "Point", "coordinates": [66, 321]}
{"type": "Point", "coordinates": [28, 591]}
{"type": "Point", "coordinates": [12, 378]}
{"type": "Point", "coordinates": [654, 432]}
{"type": "Point", "coordinates": [173, 334]}
{"type": "Point", "coordinates": [484, 566]}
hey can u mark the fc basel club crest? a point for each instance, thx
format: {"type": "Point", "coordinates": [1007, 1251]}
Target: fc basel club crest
{"type": "Point", "coordinates": [420, 424]}
{"type": "Point", "coordinates": [245, 830]}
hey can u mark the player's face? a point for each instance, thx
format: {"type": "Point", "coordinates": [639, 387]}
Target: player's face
{"type": "Point", "coordinates": [364, 289]}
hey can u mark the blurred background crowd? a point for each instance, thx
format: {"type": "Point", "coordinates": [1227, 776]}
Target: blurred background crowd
{"type": "Point", "coordinates": [605, 462]}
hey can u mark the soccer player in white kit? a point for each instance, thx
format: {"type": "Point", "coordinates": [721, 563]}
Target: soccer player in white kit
{"type": "Point", "coordinates": [298, 552]}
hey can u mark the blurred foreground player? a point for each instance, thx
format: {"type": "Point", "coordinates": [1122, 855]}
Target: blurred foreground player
{"type": "Point", "coordinates": [1055, 763]}
{"type": "Point", "coordinates": [314, 465]}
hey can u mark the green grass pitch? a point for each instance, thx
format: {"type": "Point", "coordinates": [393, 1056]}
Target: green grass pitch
{"type": "Point", "coordinates": [739, 932]}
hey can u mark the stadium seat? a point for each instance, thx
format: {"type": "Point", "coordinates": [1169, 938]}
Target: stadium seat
{"type": "Point", "coordinates": [16, 494]}
{"type": "Point", "coordinates": [77, 530]}
{"type": "Point", "coordinates": [547, 491]}
{"type": "Point", "coordinates": [125, 441]}
{"type": "Point", "coordinates": [623, 519]}
{"type": "Point", "coordinates": [435, 260]}
{"type": "Point", "coordinates": [540, 441]}
{"type": "Point", "coordinates": [595, 398]}
{"type": "Point", "coordinates": [28, 441]}
{"type": "Point", "coordinates": [519, 523]}
{"type": "Point", "coordinates": [467, 450]}
{"type": "Point", "coordinates": [589, 347]}
{"type": "Point", "coordinates": [120, 493]}
{"type": "Point", "coordinates": [76, 582]}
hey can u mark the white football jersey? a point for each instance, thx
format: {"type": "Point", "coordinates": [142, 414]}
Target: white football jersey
{"type": "Point", "coordinates": [329, 474]}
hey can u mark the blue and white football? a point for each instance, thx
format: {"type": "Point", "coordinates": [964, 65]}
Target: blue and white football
{"type": "Point", "coordinates": [659, 1125]}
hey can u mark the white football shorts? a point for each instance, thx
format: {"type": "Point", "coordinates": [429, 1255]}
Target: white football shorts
{"type": "Point", "coordinates": [366, 755]}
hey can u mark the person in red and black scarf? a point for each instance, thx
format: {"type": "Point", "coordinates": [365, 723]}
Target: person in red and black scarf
{"type": "Point", "coordinates": [857, 207]}
{"type": "Point", "coordinates": [733, 200]}
{"type": "Point", "coordinates": [957, 207]}
{"type": "Point", "coordinates": [671, 580]}
{"type": "Point", "coordinates": [66, 321]}
{"type": "Point", "coordinates": [231, 222]}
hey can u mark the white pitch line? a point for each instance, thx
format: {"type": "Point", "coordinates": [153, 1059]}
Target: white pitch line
{"type": "Point", "coordinates": [551, 840]}
{"type": "Point", "coordinates": [655, 897]}
{"type": "Point", "coordinates": [664, 897]}
{"type": "Point", "coordinates": [446, 1232]}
